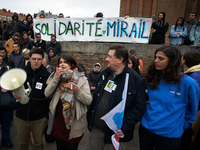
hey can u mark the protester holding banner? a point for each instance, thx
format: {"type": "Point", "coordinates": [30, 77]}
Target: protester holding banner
{"type": "Point", "coordinates": [108, 94]}
{"type": "Point", "coordinates": [173, 102]}
{"type": "Point", "coordinates": [134, 30]}
{"type": "Point", "coordinates": [68, 107]}
{"type": "Point", "coordinates": [159, 29]}
{"type": "Point", "coordinates": [60, 15]}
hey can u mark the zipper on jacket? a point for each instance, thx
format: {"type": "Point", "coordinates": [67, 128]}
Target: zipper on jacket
{"type": "Point", "coordinates": [33, 81]}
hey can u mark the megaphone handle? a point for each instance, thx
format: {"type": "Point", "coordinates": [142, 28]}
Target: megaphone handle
{"type": "Point", "coordinates": [29, 87]}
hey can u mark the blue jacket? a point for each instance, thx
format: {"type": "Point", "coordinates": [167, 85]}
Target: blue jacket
{"type": "Point", "coordinates": [194, 72]}
{"type": "Point", "coordinates": [195, 35]}
{"type": "Point", "coordinates": [135, 102]}
{"type": "Point", "coordinates": [167, 114]}
{"type": "Point", "coordinates": [177, 39]}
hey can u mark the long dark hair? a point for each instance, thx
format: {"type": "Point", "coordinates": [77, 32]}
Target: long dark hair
{"type": "Point", "coordinates": [171, 73]}
{"type": "Point", "coordinates": [70, 60]}
{"type": "Point", "coordinates": [31, 19]}
{"type": "Point", "coordinates": [135, 64]}
{"type": "Point", "coordinates": [182, 24]}
{"type": "Point", "coordinates": [24, 41]}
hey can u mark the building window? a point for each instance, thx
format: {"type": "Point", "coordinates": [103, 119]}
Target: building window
{"type": "Point", "coordinates": [9, 19]}
{"type": "Point", "coordinates": [4, 18]}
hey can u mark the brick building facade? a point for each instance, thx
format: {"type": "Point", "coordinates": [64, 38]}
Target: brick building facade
{"type": "Point", "coordinates": [7, 15]}
{"type": "Point", "coordinates": [150, 8]}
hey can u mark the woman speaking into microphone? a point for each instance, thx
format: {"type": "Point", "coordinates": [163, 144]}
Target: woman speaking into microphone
{"type": "Point", "coordinates": [69, 102]}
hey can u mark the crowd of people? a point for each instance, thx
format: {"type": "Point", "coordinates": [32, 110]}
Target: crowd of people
{"type": "Point", "coordinates": [182, 33]}
{"type": "Point", "coordinates": [64, 101]}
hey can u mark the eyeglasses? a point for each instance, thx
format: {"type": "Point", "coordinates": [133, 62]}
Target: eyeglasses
{"type": "Point", "coordinates": [36, 59]}
{"type": "Point", "coordinates": [38, 36]}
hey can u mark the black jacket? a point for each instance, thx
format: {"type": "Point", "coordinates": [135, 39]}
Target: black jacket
{"type": "Point", "coordinates": [41, 44]}
{"type": "Point", "coordinates": [38, 105]}
{"type": "Point", "coordinates": [135, 102]}
{"type": "Point", "coordinates": [158, 37]}
{"type": "Point", "coordinates": [56, 46]}
{"type": "Point", "coordinates": [22, 28]}
{"type": "Point", "coordinates": [14, 25]}
{"type": "Point", "coordinates": [9, 62]}
{"type": "Point", "coordinates": [93, 77]}
{"type": "Point", "coordinates": [26, 44]}
{"type": "Point", "coordinates": [161, 27]}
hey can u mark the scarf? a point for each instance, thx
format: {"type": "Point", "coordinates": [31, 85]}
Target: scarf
{"type": "Point", "coordinates": [66, 97]}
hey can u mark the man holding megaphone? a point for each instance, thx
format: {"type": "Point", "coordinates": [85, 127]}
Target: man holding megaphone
{"type": "Point", "coordinates": [32, 115]}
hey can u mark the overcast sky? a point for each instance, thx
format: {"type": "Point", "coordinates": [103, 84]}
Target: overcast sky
{"type": "Point", "coordinates": [72, 8]}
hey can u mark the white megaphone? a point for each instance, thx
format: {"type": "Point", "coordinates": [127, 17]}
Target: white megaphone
{"type": "Point", "coordinates": [13, 80]}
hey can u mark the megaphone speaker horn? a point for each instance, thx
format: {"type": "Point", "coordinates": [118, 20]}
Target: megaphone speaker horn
{"type": "Point", "coordinates": [13, 80]}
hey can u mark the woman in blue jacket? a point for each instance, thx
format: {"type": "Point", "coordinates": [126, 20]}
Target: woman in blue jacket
{"type": "Point", "coordinates": [173, 102]}
{"type": "Point", "coordinates": [178, 32]}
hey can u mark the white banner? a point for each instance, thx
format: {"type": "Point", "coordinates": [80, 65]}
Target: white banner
{"type": "Point", "coordinates": [95, 29]}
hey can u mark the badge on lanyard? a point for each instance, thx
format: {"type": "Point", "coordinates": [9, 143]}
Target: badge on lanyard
{"type": "Point", "coordinates": [110, 86]}
{"type": "Point", "coordinates": [38, 85]}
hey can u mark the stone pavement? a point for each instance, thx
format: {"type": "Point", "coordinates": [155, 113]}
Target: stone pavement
{"type": "Point", "coordinates": [132, 145]}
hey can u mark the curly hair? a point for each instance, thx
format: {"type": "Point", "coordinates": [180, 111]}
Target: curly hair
{"type": "Point", "coordinates": [171, 73]}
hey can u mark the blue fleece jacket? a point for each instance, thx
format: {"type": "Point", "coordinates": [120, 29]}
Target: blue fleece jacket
{"type": "Point", "coordinates": [167, 113]}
